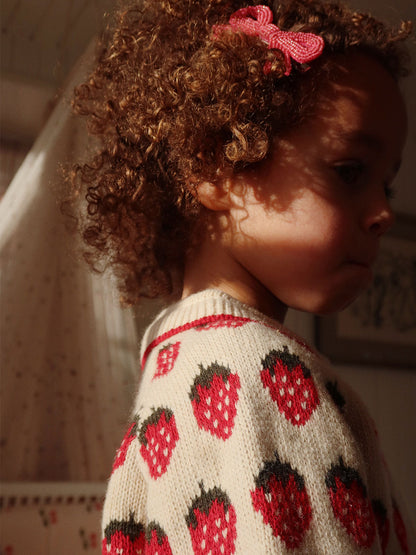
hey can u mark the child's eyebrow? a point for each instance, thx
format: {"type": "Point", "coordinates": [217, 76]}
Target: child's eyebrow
{"type": "Point", "coordinates": [367, 140]}
{"type": "Point", "coordinates": [360, 137]}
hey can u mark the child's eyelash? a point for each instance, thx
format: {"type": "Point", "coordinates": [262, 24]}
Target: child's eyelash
{"type": "Point", "coordinates": [350, 171]}
{"type": "Point", "coordinates": [389, 191]}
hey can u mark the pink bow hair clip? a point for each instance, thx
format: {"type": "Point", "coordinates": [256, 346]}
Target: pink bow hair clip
{"type": "Point", "coordinates": [257, 21]}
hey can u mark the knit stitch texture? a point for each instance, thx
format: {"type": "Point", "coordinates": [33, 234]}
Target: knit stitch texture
{"type": "Point", "coordinates": [244, 441]}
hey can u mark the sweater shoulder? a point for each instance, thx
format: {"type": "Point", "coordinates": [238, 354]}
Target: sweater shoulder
{"type": "Point", "coordinates": [226, 399]}
{"type": "Point", "coordinates": [231, 341]}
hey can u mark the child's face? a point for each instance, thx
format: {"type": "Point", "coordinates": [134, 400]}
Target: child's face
{"type": "Point", "coordinates": [306, 228]}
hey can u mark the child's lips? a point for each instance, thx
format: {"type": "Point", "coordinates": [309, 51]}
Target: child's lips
{"type": "Point", "coordinates": [366, 261]}
{"type": "Point", "coordinates": [363, 270]}
{"type": "Point", "coordinates": [363, 265]}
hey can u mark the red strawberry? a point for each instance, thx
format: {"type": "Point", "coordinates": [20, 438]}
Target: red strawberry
{"type": "Point", "coordinates": [212, 523]}
{"type": "Point", "coordinates": [382, 522]}
{"type": "Point", "coordinates": [350, 503]}
{"type": "Point", "coordinates": [290, 385]}
{"type": "Point", "coordinates": [166, 359]}
{"type": "Point", "coordinates": [158, 437]}
{"type": "Point", "coordinates": [123, 538]}
{"type": "Point", "coordinates": [214, 396]}
{"type": "Point", "coordinates": [156, 540]}
{"type": "Point", "coordinates": [400, 529]}
{"type": "Point", "coordinates": [122, 451]}
{"type": "Point", "coordinates": [281, 498]}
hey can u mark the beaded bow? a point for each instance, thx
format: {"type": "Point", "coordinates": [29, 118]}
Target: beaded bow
{"type": "Point", "coordinates": [257, 21]}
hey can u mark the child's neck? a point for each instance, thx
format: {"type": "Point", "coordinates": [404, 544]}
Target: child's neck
{"type": "Point", "coordinates": [212, 266]}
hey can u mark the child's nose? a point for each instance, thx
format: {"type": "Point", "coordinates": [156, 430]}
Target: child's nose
{"type": "Point", "coordinates": [379, 221]}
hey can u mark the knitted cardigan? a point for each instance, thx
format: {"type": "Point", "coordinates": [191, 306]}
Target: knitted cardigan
{"type": "Point", "coordinates": [244, 441]}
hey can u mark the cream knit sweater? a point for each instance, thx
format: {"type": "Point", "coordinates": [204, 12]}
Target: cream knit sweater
{"type": "Point", "coordinates": [245, 441]}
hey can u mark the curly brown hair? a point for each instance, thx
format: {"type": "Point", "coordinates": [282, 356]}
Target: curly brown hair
{"type": "Point", "coordinates": [173, 106]}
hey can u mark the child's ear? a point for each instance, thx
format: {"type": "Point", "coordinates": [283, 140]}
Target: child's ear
{"type": "Point", "coordinates": [214, 196]}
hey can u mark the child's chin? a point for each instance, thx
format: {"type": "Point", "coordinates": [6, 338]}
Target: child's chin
{"type": "Point", "coordinates": [339, 301]}
{"type": "Point", "coordinates": [331, 306]}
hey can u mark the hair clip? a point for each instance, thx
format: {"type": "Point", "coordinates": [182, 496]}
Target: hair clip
{"type": "Point", "coordinates": [257, 21]}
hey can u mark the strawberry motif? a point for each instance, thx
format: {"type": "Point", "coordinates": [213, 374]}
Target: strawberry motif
{"type": "Point", "coordinates": [166, 359]}
{"type": "Point", "coordinates": [212, 523]}
{"type": "Point", "coordinates": [158, 437]}
{"type": "Point", "coordinates": [290, 385]}
{"type": "Point", "coordinates": [337, 397]}
{"type": "Point", "coordinates": [382, 522]}
{"type": "Point", "coordinates": [156, 540]}
{"type": "Point", "coordinates": [350, 503]}
{"type": "Point", "coordinates": [214, 396]}
{"type": "Point", "coordinates": [281, 498]}
{"type": "Point", "coordinates": [122, 451]}
{"type": "Point", "coordinates": [400, 529]}
{"type": "Point", "coordinates": [124, 538]}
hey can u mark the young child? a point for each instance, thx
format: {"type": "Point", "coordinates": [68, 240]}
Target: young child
{"type": "Point", "coordinates": [246, 167]}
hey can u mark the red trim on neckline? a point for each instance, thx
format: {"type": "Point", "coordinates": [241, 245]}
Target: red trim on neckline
{"type": "Point", "coordinates": [212, 319]}
{"type": "Point", "coordinates": [185, 327]}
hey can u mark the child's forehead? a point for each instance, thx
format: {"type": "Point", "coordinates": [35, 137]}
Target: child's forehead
{"type": "Point", "coordinates": [359, 79]}
{"type": "Point", "coordinates": [359, 102]}
{"type": "Point", "coordinates": [355, 113]}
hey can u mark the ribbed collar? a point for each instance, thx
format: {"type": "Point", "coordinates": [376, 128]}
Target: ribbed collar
{"type": "Point", "coordinates": [195, 308]}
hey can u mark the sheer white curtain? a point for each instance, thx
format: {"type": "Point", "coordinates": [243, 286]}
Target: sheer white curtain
{"type": "Point", "coordinates": [69, 352]}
